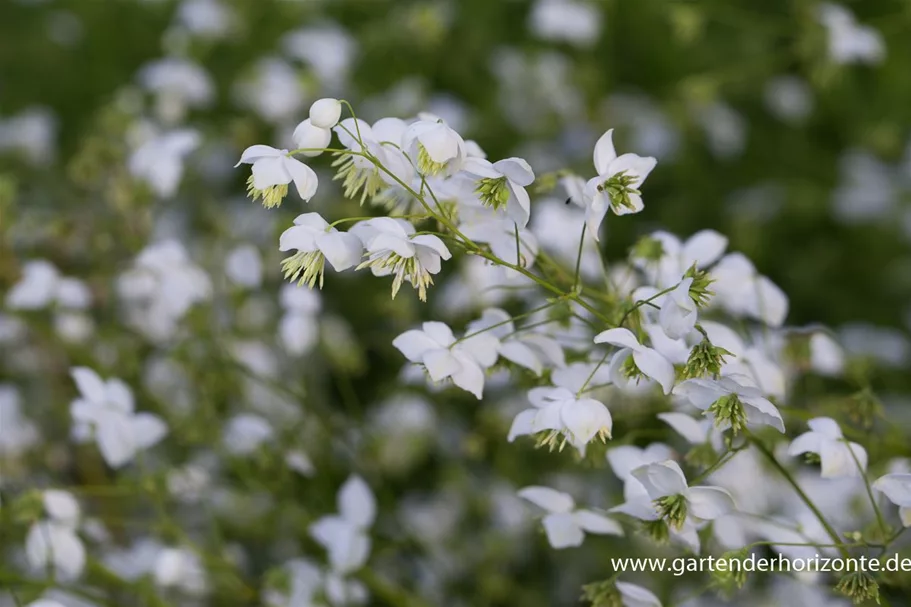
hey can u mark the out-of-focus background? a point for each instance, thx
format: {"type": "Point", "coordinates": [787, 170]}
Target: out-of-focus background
{"type": "Point", "coordinates": [783, 124]}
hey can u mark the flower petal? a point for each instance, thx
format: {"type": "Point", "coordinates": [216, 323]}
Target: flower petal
{"type": "Point", "coordinates": [708, 503]}
{"type": "Point", "coordinates": [620, 337]}
{"type": "Point", "coordinates": [547, 498]}
{"type": "Point", "coordinates": [604, 152]}
{"type": "Point", "coordinates": [652, 364]}
{"type": "Point", "coordinates": [356, 502]}
{"type": "Point", "coordinates": [593, 522]}
{"type": "Point", "coordinates": [562, 531]}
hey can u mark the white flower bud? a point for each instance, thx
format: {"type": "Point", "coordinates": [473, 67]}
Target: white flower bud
{"type": "Point", "coordinates": [307, 136]}
{"type": "Point", "coordinates": [325, 113]}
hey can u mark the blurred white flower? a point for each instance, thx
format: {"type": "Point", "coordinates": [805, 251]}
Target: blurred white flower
{"type": "Point", "coordinates": [19, 433]}
{"type": "Point", "coordinates": [561, 413]}
{"type": "Point", "coordinates": [273, 90]}
{"type": "Point", "coordinates": [569, 21]}
{"type": "Point", "coordinates": [32, 133]}
{"type": "Point", "coordinates": [159, 161]}
{"type": "Point", "coordinates": [181, 569]}
{"type": "Point", "coordinates": [245, 433]}
{"type": "Point", "coordinates": [729, 403]}
{"type": "Point", "coordinates": [105, 412]}
{"type": "Point", "coordinates": [344, 536]}
{"type": "Point", "coordinates": [789, 98]}
{"type": "Point", "coordinates": [850, 42]}
{"type": "Point", "coordinates": [897, 487]}
{"type": "Point", "coordinates": [564, 524]}
{"type": "Point", "coordinates": [327, 49]}
{"type": "Point", "coordinates": [178, 85]}
{"type": "Point", "coordinates": [835, 453]}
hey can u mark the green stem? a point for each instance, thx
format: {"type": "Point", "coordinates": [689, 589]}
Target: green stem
{"type": "Point", "coordinates": [800, 492]}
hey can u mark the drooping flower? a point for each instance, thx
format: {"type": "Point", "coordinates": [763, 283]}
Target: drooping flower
{"type": "Point", "coordinates": [675, 500]}
{"type": "Point", "coordinates": [564, 524]}
{"type": "Point", "coordinates": [272, 171]}
{"type": "Point", "coordinates": [383, 142]}
{"type": "Point", "coordinates": [435, 347]}
{"type": "Point", "coordinates": [501, 185]}
{"type": "Point", "coordinates": [344, 535]}
{"type": "Point", "coordinates": [393, 249]}
{"type": "Point", "coordinates": [311, 139]}
{"type": "Point", "coordinates": [850, 42]}
{"type": "Point", "coordinates": [634, 360]}
{"type": "Point", "coordinates": [105, 411]}
{"type": "Point", "coordinates": [835, 453]}
{"type": "Point", "coordinates": [897, 487]}
{"type": "Point", "coordinates": [678, 311]}
{"type": "Point", "coordinates": [317, 242]}
{"type": "Point", "coordinates": [730, 404]}
{"type": "Point", "coordinates": [325, 113]}
{"type": "Point", "coordinates": [434, 147]}
{"type": "Point", "coordinates": [558, 412]}
{"type": "Point", "coordinates": [617, 185]}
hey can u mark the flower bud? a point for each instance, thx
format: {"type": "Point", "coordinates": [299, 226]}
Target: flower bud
{"type": "Point", "coordinates": [859, 587]}
{"type": "Point", "coordinates": [308, 136]}
{"type": "Point", "coordinates": [325, 113]}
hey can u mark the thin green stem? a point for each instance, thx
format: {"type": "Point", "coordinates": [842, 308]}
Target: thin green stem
{"type": "Point", "coordinates": [800, 492]}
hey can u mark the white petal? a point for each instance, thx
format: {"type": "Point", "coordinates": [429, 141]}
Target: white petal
{"type": "Point", "coordinates": [623, 460]}
{"type": "Point", "coordinates": [516, 170]}
{"type": "Point", "coordinates": [311, 137]}
{"type": "Point", "coordinates": [61, 506]}
{"type": "Point", "coordinates": [636, 596]}
{"type": "Point", "coordinates": [771, 302]}
{"type": "Point", "coordinates": [148, 430]}
{"type": "Point", "coordinates": [305, 179]}
{"type": "Point", "coordinates": [414, 344]}
{"type": "Point", "coordinates": [655, 366]}
{"type": "Point", "coordinates": [119, 395]}
{"type": "Point", "coordinates": [441, 143]}
{"type": "Point", "coordinates": [604, 153]}
{"type": "Point", "coordinates": [441, 364]}
{"type": "Point", "coordinates": [520, 354]}
{"type": "Point", "coordinates": [701, 393]}
{"type": "Point", "coordinates": [268, 172]}
{"type": "Point", "coordinates": [432, 242]}
{"type": "Point", "coordinates": [634, 166]}
{"type": "Point", "coordinates": [704, 248]}
{"type": "Point", "coordinates": [904, 514]}
{"type": "Point", "coordinates": [115, 438]}
{"type": "Point", "coordinates": [439, 332]}
{"type": "Point", "coordinates": [90, 385]}
{"type": "Point", "coordinates": [661, 479]}
{"type": "Point", "coordinates": [836, 460]}
{"type": "Point", "coordinates": [593, 522]}
{"type": "Point", "coordinates": [522, 424]}
{"type": "Point", "coordinates": [708, 503]}
{"type": "Point", "coordinates": [562, 531]}
{"type": "Point", "coordinates": [687, 427]}
{"type": "Point", "coordinates": [808, 442]}
{"type": "Point", "coordinates": [356, 502]}
{"type": "Point", "coordinates": [341, 249]}
{"type": "Point", "coordinates": [470, 378]}
{"type": "Point", "coordinates": [825, 426]}
{"type": "Point", "coordinates": [761, 411]}
{"type": "Point", "coordinates": [325, 113]}
{"type": "Point", "coordinates": [620, 337]}
{"type": "Point", "coordinates": [547, 498]}
{"type": "Point", "coordinates": [896, 487]}
{"type": "Point", "coordinates": [256, 152]}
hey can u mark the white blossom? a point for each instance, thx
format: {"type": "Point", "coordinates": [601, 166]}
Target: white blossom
{"type": "Point", "coordinates": [837, 456]}
{"type": "Point", "coordinates": [564, 524]}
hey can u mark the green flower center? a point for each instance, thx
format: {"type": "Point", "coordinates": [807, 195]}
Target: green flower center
{"type": "Point", "coordinates": [672, 508]}
{"type": "Point", "coordinates": [619, 188]}
{"type": "Point", "coordinates": [729, 408]}
{"type": "Point", "coordinates": [426, 164]}
{"type": "Point", "coordinates": [272, 196]}
{"type": "Point", "coordinates": [493, 192]}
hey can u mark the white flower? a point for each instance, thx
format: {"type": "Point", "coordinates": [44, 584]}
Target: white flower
{"type": "Point", "coordinates": [435, 347]}
{"type": "Point", "coordinates": [826, 356]}
{"type": "Point", "coordinates": [159, 160]}
{"type": "Point", "coordinates": [272, 171]}
{"type": "Point", "coordinates": [835, 453]}
{"type": "Point", "coordinates": [41, 285]}
{"type": "Point", "coordinates": [325, 113]}
{"type": "Point", "coordinates": [569, 21]}
{"type": "Point", "coordinates": [244, 266]}
{"type": "Point", "coordinates": [106, 408]}
{"type": "Point", "coordinates": [729, 403]}
{"type": "Point", "coordinates": [344, 536]}
{"type": "Point", "coordinates": [696, 432]}
{"type": "Point", "coordinates": [393, 248]}
{"type": "Point", "coordinates": [244, 433]}
{"type": "Point", "coordinates": [178, 84]}
{"type": "Point", "coordinates": [897, 487]}
{"type": "Point", "coordinates": [636, 596]}
{"type": "Point", "coordinates": [161, 287]}
{"type": "Point", "coordinates": [299, 327]}
{"type": "Point", "coordinates": [19, 433]}
{"type": "Point", "coordinates": [702, 249]}
{"type": "Point", "coordinates": [434, 148]}
{"type": "Point", "coordinates": [524, 348]}
{"type": "Point", "coordinates": [501, 185]}
{"type": "Point", "coordinates": [666, 480]}
{"type": "Point", "coordinates": [181, 569]}
{"type": "Point", "coordinates": [678, 311]}
{"type": "Point", "coordinates": [617, 184]}
{"type": "Point", "coordinates": [635, 360]}
{"type": "Point", "coordinates": [317, 242]}
{"type": "Point", "coordinates": [383, 141]}
{"type": "Point", "coordinates": [274, 90]}
{"type": "Point", "coordinates": [61, 507]}
{"type": "Point", "coordinates": [743, 292]}
{"type": "Point", "coordinates": [56, 544]}
{"type": "Point", "coordinates": [304, 581]}
{"type": "Point", "coordinates": [750, 364]}
{"type": "Point", "coordinates": [850, 42]}
{"type": "Point", "coordinates": [565, 525]}
{"type": "Point", "coordinates": [557, 411]}
{"type": "Point", "coordinates": [310, 138]}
